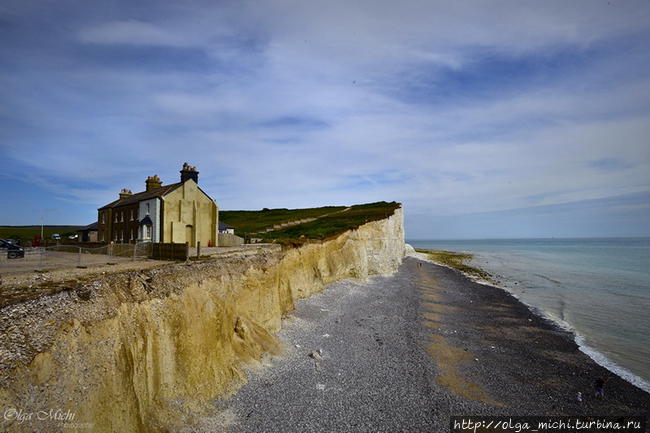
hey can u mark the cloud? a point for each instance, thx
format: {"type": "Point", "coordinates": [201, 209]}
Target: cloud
{"type": "Point", "coordinates": [453, 108]}
{"type": "Point", "coordinates": [129, 32]}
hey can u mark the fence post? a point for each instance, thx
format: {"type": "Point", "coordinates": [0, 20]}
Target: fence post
{"type": "Point", "coordinates": [187, 251]}
{"type": "Point", "coordinates": [198, 249]}
{"type": "Point", "coordinates": [79, 262]}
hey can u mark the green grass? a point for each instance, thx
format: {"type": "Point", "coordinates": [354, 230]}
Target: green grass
{"type": "Point", "coordinates": [248, 221]}
{"type": "Point", "coordinates": [335, 221]}
{"type": "Point", "coordinates": [27, 233]}
{"type": "Point", "coordinates": [456, 261]}
{"type": "Point", "coordinates": [335, 224]}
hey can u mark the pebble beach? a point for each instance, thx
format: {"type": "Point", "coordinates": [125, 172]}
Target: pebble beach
{"type": "Point", "coordinates": [406, 352]}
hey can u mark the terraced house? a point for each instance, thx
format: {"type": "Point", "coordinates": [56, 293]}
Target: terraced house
{"type": "Point", "coordinates": [180, 212]}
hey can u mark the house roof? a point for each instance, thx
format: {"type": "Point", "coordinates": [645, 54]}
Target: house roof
{"type": "Point", "coordinates": [89, 227]}
{"type": "Point", "coordinates": [224, 226]}
{"type": "Point", "coordinates": [144, 195]}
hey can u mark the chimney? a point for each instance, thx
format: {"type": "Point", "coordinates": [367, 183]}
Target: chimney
{"type": "Point", "coordinates": [189, 172]}
{"type": "Point", "coordinates": [153, 182]}
{"type": "Point", "coordinates": [125, 193]}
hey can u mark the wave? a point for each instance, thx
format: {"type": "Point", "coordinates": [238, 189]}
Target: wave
{"type": "Point", "coordinates": [508, 270]}
{"type": "Point", "coordinates": [598, 357]}
{"type": "Point", "coordinates": [602, 360]}
{"type": "Point", "coordinates": [559, 283]}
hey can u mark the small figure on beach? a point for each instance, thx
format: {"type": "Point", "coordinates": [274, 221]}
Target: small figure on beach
{"type": "Point", "coordinates": [579, 397]}
{"type": "Point", "coordinates": [599, 386]}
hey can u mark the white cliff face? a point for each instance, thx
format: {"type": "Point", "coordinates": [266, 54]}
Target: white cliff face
{"type": "Point", "coordinates": [123, 357]}
{"type": "Point", "coordinates": [384, 243]}
{"type": "Point", "coordinates": [376, 248]}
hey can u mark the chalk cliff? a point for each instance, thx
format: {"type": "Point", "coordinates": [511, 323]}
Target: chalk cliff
{"type": "Point", "coordinates": [147, 350]}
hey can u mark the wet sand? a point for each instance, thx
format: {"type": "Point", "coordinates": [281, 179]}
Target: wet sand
{"type": "Point", "coordinates": [404, 353]}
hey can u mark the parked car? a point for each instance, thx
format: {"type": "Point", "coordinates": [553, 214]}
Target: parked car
{"type": "Point", "coordinates": [13, 251]}
{"type": "Point", "coordinates": [56, 236]}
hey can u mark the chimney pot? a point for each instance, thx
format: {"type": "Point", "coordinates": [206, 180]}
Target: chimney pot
{"type": "Point", "coordinates": [189, 172]}
{"type": "Point", "coordinates": [125, 193]}
{"type": "Point", "coordinates": [153, 182]}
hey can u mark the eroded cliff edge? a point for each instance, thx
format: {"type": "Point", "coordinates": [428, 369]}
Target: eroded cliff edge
{"type": "Point", "coordinates": [146, 350]}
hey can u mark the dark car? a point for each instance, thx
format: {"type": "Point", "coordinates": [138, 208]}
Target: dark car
{"type": "Point", "coordinates": [13, 251]}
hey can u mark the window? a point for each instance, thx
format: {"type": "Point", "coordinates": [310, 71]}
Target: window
{"type": "Point", "coordinates": [103, 214]}
{"type": "Point", "coordinates": [132, 229]}
{"type": "Point", "coordinates": [131, 219]}
{"type": "Point", "coordinates": [148, 208]}
{"type": "Point", "coordinates": [122, 215]}
{"type": "Point", "coordinates": [116, 217]}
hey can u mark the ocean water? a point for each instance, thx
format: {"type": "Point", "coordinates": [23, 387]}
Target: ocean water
{"type": "Point", "coordinates": [598, 288]}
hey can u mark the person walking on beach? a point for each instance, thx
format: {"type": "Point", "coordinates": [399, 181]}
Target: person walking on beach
{"type": "Point", "coordinates": [599, 386]}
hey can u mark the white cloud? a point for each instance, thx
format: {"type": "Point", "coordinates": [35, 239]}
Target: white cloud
{"type": "Point", "coordinates": [302, 103]}
{"type": "Point", "coordinates": [130, 32]}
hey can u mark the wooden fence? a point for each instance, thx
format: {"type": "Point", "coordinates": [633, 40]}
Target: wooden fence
{"type": "Point", "coordinates": [170, 251]}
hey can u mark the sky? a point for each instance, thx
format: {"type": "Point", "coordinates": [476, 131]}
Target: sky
{"type": "Point", "coordinates": [485, 119]}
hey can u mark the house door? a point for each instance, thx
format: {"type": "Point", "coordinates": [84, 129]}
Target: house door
{"type": "Point", "coordinates": [189, 234]}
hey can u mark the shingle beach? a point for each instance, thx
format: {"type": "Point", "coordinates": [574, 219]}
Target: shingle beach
{"type": "Point", "coordinates": [406, 352]}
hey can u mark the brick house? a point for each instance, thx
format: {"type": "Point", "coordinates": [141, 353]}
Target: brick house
{"type": "Point", "coordinates": [180, 212]}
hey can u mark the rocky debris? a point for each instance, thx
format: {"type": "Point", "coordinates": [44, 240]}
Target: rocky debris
{"type": "Point", "coordinates": [84, 293]}
{"type": "Point", "coordinates": [317, 354]}
{"type": "Point", "coordinates": [240, 328]}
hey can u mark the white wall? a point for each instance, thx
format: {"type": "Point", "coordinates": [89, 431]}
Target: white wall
{"type": "Point", "coordinates": [154, 214]}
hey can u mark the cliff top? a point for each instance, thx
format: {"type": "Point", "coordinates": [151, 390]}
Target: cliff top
{"type": "Point", "coordinates": [314, 223]}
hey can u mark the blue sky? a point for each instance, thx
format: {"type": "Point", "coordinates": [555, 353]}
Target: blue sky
{"type": "Point", "coordinates": [485, 119]}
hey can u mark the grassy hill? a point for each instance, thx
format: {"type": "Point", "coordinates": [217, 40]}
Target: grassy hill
{"type": "Point", "coordinates": [27, 233]}
{"type": "Point", "coordinates": [329, 221]}
{"type": "Point", "coordinates": [250, 221]}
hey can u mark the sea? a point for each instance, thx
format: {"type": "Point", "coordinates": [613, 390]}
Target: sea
{"type": "Point", "coordinates": [597, 288]}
